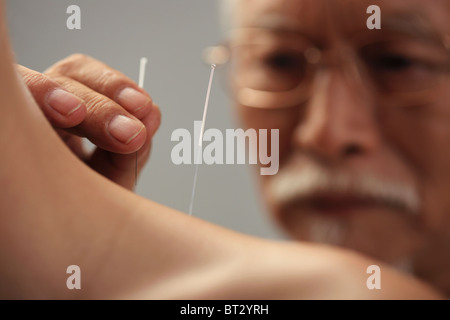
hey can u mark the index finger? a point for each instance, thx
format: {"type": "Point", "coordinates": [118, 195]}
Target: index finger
{"type": "Point", "coordinates": [105, 80]}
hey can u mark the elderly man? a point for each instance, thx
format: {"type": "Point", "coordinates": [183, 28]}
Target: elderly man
{"type": "Point", "coordinates": [364, 121]}
{"type": "Point", "coordinates": [362, 113]}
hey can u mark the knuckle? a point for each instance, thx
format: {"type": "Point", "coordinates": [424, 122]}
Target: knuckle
{"type": "Point", "coordinates": [36, 80]}
{"type": "Point", "coordinates": [77, 57]}
{"type": "Point", "coordinates": [105, 79]}
{"type": "Point", "coordinates": [69, 63]}
{"type": "Point", "coordinates": [100, 106]}
{"type": "Point", "coordinates": [60, 79]}
{"type": "Point", "coordinates": [111, 82]}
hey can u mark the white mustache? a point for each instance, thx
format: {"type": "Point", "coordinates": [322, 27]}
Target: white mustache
{"type": "Point", "coordinates": [313, 180]}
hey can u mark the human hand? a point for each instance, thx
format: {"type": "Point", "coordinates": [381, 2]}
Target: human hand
{"type": "Point", "coordinates": [83, 97]}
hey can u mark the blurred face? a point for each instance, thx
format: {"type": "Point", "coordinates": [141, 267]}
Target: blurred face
{"type": "Point", "coordinates": [364, 120]}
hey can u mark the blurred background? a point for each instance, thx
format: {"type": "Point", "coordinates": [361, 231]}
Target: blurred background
{"type": "Point", "coordinates": [172, 35]}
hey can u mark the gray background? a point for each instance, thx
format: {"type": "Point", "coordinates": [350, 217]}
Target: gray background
{"type": "Point", "coordinates": [172, 35]}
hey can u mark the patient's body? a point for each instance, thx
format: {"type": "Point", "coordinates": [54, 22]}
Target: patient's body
{"type": "Point", "coordinates": [56, 212]}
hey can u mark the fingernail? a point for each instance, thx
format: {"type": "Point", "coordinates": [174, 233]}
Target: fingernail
{"type": "Point", "coordinates": [133, 100]}
{"type": "Point", "coordinates": [63, 102]}
{"type": "Point", "coordinates": [124, 129]}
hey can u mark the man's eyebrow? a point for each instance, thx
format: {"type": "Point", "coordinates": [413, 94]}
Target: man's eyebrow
{"type": "Point", "coordinates": [413, 24]}
{"type": "Point", "coordinates": [273, 23]}
{"type": "Point", "coordinates": [277, 22]}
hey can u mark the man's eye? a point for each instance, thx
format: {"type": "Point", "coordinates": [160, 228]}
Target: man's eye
{"type": "Point", "coordinates": [283, 62]}
{"type": "Point", "coordinates": [393, 63]}
{"type": "Point", "coordinates": [402, 73]}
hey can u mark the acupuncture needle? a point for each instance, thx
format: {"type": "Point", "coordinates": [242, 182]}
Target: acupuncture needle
{"type": "Point", "coordinates": [200, 140]}
{"type": "Point", "coordinates": [143, 64]}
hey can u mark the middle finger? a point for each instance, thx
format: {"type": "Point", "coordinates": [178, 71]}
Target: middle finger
{"type": "Point", "coordinates": [107, 124]}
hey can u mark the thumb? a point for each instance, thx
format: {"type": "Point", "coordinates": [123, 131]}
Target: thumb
{"type": "Point", "coordinates": [62, 108]}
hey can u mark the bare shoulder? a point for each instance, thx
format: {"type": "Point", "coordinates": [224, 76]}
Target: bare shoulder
{"type": "Point", "coordinates": [278, 270]}
{"type": "Point", "coordinates": [312, 271]}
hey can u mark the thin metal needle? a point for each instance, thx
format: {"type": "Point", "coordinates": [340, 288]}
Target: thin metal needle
{"type": "Point", "coordinates": [143, 64]}
{"type": "Point", "coordinates": [200, 140]}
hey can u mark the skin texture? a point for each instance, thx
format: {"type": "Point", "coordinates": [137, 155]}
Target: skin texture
{"type": "Point", "coordinates": [347, 127]}
{"type": "Point", "coordinates": [96, 88]}
{"type": "Point", "coordinates": [55, 212]}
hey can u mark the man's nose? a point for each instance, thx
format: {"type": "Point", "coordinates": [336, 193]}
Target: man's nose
{"type": "Point", "coordinates": [339, 120]}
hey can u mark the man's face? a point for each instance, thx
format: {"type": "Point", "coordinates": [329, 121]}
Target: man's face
{"type": "Point", "coordinates": [364, 120]}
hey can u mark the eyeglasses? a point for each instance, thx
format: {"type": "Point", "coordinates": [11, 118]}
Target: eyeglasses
{"type": "Point", "coordinates": [278, 69]}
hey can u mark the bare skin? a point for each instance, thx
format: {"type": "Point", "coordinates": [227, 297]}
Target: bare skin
{"type": "Point", "coordinates": [370, 135]}
{"type": "Point", "coordinates": [91, 96]}
{"type": "Point", "coordinates": [56, 212]}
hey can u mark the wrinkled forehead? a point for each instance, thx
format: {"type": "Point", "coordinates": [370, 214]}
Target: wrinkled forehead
{"type": "Point", "coordinates": [321, 18]}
